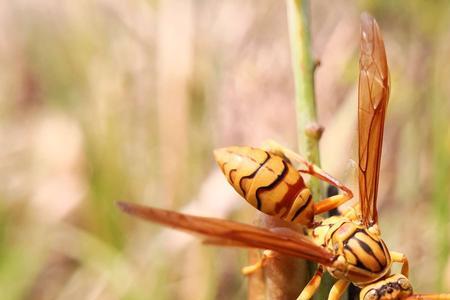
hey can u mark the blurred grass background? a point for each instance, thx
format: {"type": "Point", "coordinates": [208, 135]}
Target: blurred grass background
{"type": "Point", "coordinates": [124, 100]}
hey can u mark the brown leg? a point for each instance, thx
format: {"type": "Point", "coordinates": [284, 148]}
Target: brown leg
{"type": "Point", "coordinates": [312, 285]}
{"type": "Point", "coordinates": [313, 170]}
{"type": "Point", "coordinates": [331, 202]}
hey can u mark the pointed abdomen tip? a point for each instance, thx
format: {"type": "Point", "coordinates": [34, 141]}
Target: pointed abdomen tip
{"type": "Point", "coordinates": [221, 155]}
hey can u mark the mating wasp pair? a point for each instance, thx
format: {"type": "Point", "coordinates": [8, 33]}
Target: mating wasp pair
{"type": "Point", "coordinates": [348, 246]}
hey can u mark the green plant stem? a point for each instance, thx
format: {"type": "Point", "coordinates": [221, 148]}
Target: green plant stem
{"type": "Point", "coordinates": [303, 65]}
{"type": "Point", "coordinates": [308, 131]}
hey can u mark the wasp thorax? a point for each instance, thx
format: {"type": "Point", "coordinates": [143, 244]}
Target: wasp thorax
{"type": "Point", "coordinates": [363, 253]}
{"type": "Point", "coordinates": [392, 288]}
{"type": "Point", "coordinates": [268, 182]}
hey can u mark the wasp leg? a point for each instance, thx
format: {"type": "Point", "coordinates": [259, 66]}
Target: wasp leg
{"type": "Point", "coordinates": [401, 258]}
{"type": "Point", "coordinates": [313, 170]}
{"type": "Point", "coordinates": [312, 285]}
{"type": "Point", "coordinates": [267, 254]}
{"type": "Point", "coordinates": [338, 289]}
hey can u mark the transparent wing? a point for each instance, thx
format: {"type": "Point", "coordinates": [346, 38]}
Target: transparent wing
{"type": "Point", "coordinates": [373, 95]}
{"type": "Point", "coordinates": [223, 232]}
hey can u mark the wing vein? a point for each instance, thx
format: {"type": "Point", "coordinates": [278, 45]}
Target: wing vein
{"type": "Point", "coordinates": [373, 96]}
{"type": "Point", "coordinates": [228, 233]}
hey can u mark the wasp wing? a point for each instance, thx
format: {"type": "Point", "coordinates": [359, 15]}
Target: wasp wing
{"type": "Point", "coordinates": [223, 232]}
{"type": "Point", "coordinates": [373, 95]}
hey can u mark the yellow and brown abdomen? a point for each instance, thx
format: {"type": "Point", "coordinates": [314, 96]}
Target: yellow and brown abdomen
{"type": "Point", "coordinates": [268, 182]}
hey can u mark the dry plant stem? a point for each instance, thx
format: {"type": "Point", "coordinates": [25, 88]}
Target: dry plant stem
{"type": "Point", "coordinates": [256, 282]}
{"type": "Point", "coordinates": [282, 277]}
{"type": "Point", "coordinates": [285, 275]}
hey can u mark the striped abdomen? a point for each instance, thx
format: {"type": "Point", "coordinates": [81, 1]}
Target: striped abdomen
{"type": "Point", "coordinates": [268, 182]}
{"type": "Point", "coordinates": [364, 254]}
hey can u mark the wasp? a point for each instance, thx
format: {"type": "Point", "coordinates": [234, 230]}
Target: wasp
{"type": "Point", "coordinates": [348, 246]}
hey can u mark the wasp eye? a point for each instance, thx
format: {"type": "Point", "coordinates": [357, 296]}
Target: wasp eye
{"type": "Point", "coordinates": [404, 283]}
{"type": "Point", "coordinates": [371, 295]}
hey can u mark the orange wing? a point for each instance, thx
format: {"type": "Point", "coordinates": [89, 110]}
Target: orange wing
{"type": "Point", "coordinates": [230, 233]}
{"type": "Point", "coordinates": [373, 98]}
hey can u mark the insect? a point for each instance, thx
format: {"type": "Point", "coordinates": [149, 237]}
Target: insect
{"type": "Point", "coordinates": [348, 246]}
